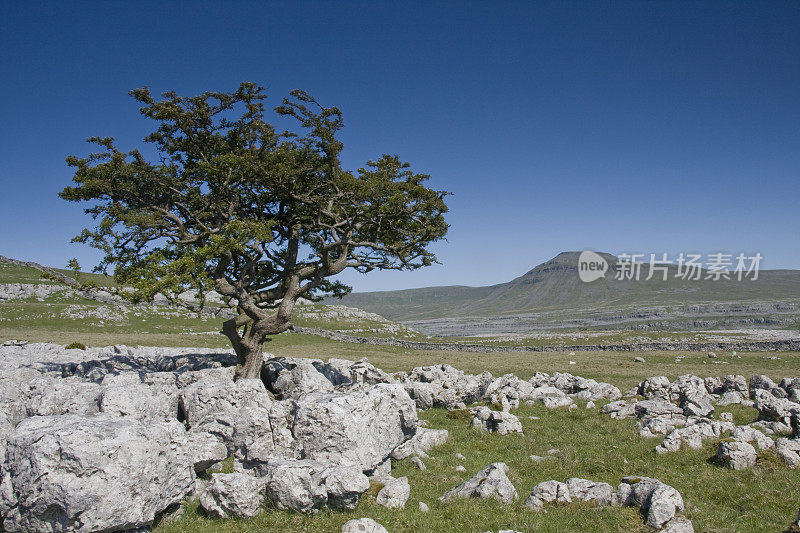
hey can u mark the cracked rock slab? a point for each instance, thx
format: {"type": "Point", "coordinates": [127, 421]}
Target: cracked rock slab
{"type": "Point", "coordinates": [491, 482]}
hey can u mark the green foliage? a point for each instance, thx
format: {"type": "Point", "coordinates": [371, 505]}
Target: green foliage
{"type": "Point", "coordinates": [234, 205]}
{"type": "Point", "coordinates": [76, 346]}
{"type": "Point", "coordinates": [463, 415]}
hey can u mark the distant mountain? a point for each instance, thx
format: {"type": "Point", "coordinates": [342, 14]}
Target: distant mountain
{"type": "Point", "coordinates": [554, 288]}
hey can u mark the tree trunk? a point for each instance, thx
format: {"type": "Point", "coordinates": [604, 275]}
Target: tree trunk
{"type": "Point", "coordinates": [249, 344]}
{"type": "Point", "coordinates": [250, 356]}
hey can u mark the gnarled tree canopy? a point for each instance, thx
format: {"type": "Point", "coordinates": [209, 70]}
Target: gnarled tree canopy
{"type": "Point", "coordinates": [261, 216]}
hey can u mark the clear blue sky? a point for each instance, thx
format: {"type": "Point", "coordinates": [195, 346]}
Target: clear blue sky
{"type": "Point", "coordinates": [624, 126]}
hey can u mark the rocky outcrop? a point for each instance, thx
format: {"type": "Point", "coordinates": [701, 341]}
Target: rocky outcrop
{"type": "Point", "coordinates": [92, 473]}
{"type": "Point", "coordinates": [445, 386]}
{"type": "Point", "coordinates": [215, 393]}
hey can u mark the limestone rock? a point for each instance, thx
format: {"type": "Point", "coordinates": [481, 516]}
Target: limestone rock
{"type": "Point", "coordinates": [232, 495]}
{"type": "Point", "coordinates": [678, 524]}
{"type": "Point", "coordinates": [500, 422]}
{"type": "Point", "coordinates": [60, 396]}
{"type": "Point", "coordinates": [551, 397]}
{"type": "Point", "coordinates": [94, 473]}
{"type": "Point", "coordinates": [363, 525]}
{"type": "Point", "coordinates": [362, 428]}
{"type": "Point", "coordinates": [789, 451]}
{"type": "Point", "coordinates": [423, 441]}
{"type": "Point", "coordinates": [658, 501]}
{"type": "Point", "coordinates": [306, 485]}
{"type": "Point", "coordinates": [548, 491]}
{"type": "Point", "coordinates": [575, 489]}
{"type": "Point", "coordinates": [491, 482]}
{"type": "Point", "coordinates": [344, 485]}
{"type": "Point", "coordinates": [736, 455]}
{"type": "Point", "coordinates": [298, 381]}
{"type": "Point", "coordinates": [394, 494]}
{"type": "Point", "coordinates": [213, 394]}
{"type": "Point", "coordinates": [296, 484]}
{"type": "Point", "coordinates": [751, 434]}
{"type": "Point", "coordinates": [205, 450]}
{"type": "Point", "coordinates": [126, 395]}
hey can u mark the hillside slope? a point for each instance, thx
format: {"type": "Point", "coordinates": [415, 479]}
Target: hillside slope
{"type": "Point", "coordinates": [555, 286]}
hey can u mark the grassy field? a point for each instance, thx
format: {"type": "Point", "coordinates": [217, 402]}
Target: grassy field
{"type": "Point", "coordinates": [591, 445]}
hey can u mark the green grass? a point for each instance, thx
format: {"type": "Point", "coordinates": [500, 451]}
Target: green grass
{"type": "Point", "coordinates": [21, 274]}
{"type": "Point", "coordinates": [591, 445]}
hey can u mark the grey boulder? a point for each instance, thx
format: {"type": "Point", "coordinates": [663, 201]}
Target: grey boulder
{"type": "Point", "coordinates": [575, 489]}
{"type": "Point", "coordinates": [423, 440]}
{"type": "Point", "coordinates": [98, 473]}
{"type": "Point", "coordinates": [736, 455]}
{"type": "Point", "coordinates": [232, 495]}
{"type": "Point", "coordinates": [216, 393]}
{"type": "Point", "coordinates": [127, 395]}
{"type": "Point", "coordinates": [491, 482]}
{"type": "Point", "coordinates": [658, 501]}
{"type": "Point", "coordinates": [361, 428]}
{"type": "Point", "coordinates": [789, 451]}
{"type": "Point", "coordinates": [363, 525]}
{"type": "Point", "coordinates": [500, 422]}
{"type": "Point", "coordinates": [394, 493]}
{"type": "Point", "coordinates": [306, 485]}
{"type": "Point", "coordinates": [205, 450]}
{"type": "Point", "coordinates": [60, 396]}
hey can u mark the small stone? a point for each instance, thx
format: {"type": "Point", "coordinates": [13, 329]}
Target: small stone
{"type": "Point", "coordinates": [460, 468]}
{"type": "Point", "coordinates": [416, 461]}
{"type": "Point", "coordinates": [538, 458]}
{"type": "Point", "coordinates": [712, 355]}
{"type": "Point", "coordinates": [394, 493]}
{"type": "Point", "coordinates": [638, 359]}
{"type": "Point", "coordinates": [363, 525]}
{"type": "Point", "coordinates": [423, 507]}
{"type": "Point", "coordinates": [590, 405]}
{"type": "Point", "coordinates": [553, 451]}
{"type": "Point", "coordinates": [726, 416]}
{"type": "Point", "coordinates": [460, 457]}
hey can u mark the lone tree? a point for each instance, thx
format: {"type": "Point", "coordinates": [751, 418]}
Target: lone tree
{"type": "Point", "coordinates": [260, 216]}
